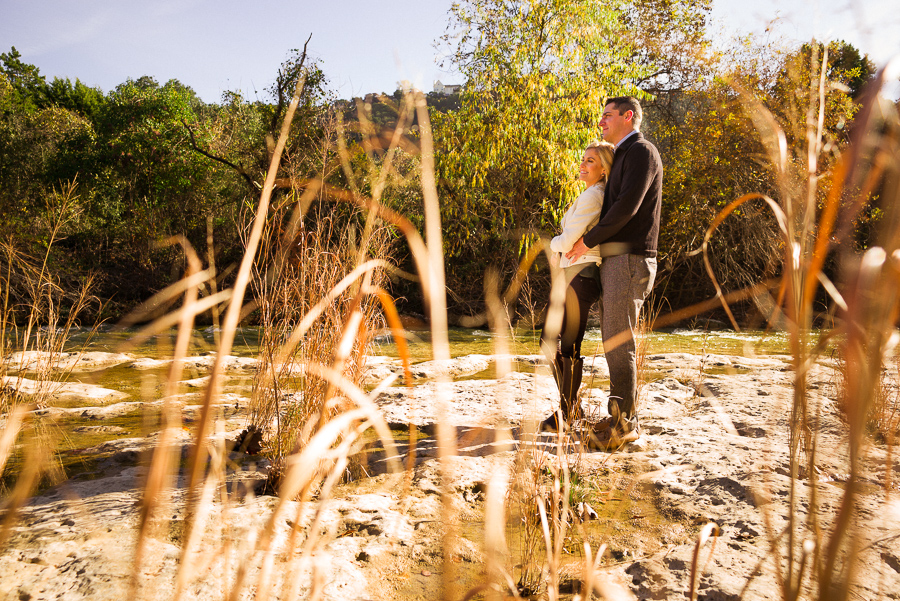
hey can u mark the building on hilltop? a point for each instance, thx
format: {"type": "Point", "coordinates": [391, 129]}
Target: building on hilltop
{"type": "Point", "coordinates": [446, 90]}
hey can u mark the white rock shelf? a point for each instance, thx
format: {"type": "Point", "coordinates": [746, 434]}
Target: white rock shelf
{"type": "Point", "coordinates": [65, 362]}
{"type": "Point", "coordinates": [60, 391]}
{"type": "Point", "coordinates": [714, 447]}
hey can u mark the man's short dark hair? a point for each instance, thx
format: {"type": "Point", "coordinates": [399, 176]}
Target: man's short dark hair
{"type": "Point", "coordinates": [628, 103]}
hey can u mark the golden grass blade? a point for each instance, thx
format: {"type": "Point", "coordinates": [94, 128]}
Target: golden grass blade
{"type": "Point", "coordinates": [717, 221]}
{"type": "Point", "coordinates": [340, 457]}
{"type": "Point", "coordinates": [213, 286]}
{"type": "Point", "coordinates": [366, 404]}
{"type": "Point", "coordinates": [434, 288]}
{"type": "Point", "coordinates": [345, 344]}
{"type": "Point", "coordinates": [865, 123]}
{"type": "Point", "coordinates": [397, 332]}
{"type": "Point", "coordinates": [587, 570]}
{"type": "Point", "coordinates": [815, 122]}
{"type": "Point", "coordinates": [161, 474]}
{"type": "Point", "coordinates": [709, 531]}
{"type": "Point", "coordinates": [202, 513]}
{"type": "Point", "coordinates": [290, 232]}
{"type": "Point", "coordinates": [404, 120]}
{"type": "Point", "coordinates": [165, 297]}
{"type": "Point", "coordinates": [499, 320]}
{"type": "Point", "coordinates": [495, 547]}
{"type": "Point", "coordinates": [29, 476]}
{"type": "Point", "coordinates": [165, 323]}
{"type": "Point", "coordinates": [679, 315]}
{"type": "Point", "coordinates": [771, 135]}
{"type": "Point", "coordinates": [552, 585]}
{"type": "Point", "coordinates": [554, 320]}
{"type": "Point", "coordinates": [313, 314]}
{"type": "Point", "coordinates": [515, 285]}
{"type": "Point", "coordinates": [399, 336]}
{"type": "Point", "coordinates": [825, 228]}
{"type": "Point", "coordinates": [413, 238]}
{"type": "Point", "coordinates": [302, 468]}
{"type": "Point", "coordinates": [612, 591]}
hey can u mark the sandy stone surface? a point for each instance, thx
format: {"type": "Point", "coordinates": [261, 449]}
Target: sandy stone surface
{"type": "Point", "coordinates": [60, 391]}
{"type": "Point", "coordinates": [230, 364]}
{"type": "Point", "coordinates": [714, 448]}
{"type": "Point", "coordinates": [65, 362]}
{"type": "Point", "coordinates": [511, 399]}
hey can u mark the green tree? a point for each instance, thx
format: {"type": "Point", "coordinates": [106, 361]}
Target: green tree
{"type": "Point", "coordinates": [668, 40]}
{"type": "Point", "coordinates": [28, 85]}
{"type": "Point", "coordinates": [537, 73]}
{"type": "Point", "coordinates": [713, 154]}
{"type": "Point", "coordinates": [77, 97]}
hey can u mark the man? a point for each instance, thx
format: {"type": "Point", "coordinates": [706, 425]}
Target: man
{"type": "Point", "coordinates": [627, 236]}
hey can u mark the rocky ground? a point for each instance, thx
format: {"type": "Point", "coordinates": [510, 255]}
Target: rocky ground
{"type": "Point", "coordinates": [714, 449]}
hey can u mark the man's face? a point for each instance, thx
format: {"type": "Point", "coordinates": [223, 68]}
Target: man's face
{"type": "Point", "coordinates": [615, 125]}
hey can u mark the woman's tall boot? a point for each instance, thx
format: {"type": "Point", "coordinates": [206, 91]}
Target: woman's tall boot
{"type": "Point", "coordinates": [569, 383]}
{"type": "Point", "coordinates": [567, 373]}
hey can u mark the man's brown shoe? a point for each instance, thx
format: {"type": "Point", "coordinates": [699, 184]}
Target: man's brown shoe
{"type": "Point", "coordinates": [612, 438]}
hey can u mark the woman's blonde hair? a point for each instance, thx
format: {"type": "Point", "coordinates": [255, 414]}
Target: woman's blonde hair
{"type": "Point", "coordinates": [605, 151]}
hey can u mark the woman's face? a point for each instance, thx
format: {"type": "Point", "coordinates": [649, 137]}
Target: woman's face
{"type": "Point", "coordinates": [591, 170]}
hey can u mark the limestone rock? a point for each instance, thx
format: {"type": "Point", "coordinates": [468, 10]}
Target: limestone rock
{"type": "Point", "coordinates": [66, 361]}
{"type": "Point", "coordinates": [459, 366]}
{"type": "Point", "coordinates": [231, 364]}
{"type": "Point", "coordinates": [50, 391]}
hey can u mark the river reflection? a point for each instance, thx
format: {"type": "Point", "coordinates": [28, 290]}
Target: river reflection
{"type": "Point", "coordinates": [526, 342]}
{"type": "Point", "coordinates": [462, 342]}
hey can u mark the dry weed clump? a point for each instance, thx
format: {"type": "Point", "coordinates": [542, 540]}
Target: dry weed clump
{"type": "Point", "coordinates": [883, 421]}
{"type": "Point", "coordinates": [38, 315]}
{"type": "Point", "coordinates": [318, 290]}
{"type": "Point", "coordinates": [37, 318]}
{"type": "Point", "coordinates": [286, 395]}
{"type": "Point", "coordinates": [885, 416]}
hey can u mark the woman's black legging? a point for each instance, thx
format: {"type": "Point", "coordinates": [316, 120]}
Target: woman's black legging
{"type": "Point", "coordinates": [581, 294]}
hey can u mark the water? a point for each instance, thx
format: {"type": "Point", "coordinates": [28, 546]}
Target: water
{"type": "Point", "coordinates": [246, 342]}
{"type": "Point", "coordinates": [526, 342]}
{"type": "Point", "coordinates": [462, 342]}
{"type": "Point", "coordinates": [73, 433]}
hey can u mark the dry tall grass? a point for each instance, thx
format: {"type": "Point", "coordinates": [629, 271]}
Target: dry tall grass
{"type": "Point", "coordinates": [38, 314]}
{"type": "Point", "coordinates": [285, 395]}
{"type": "Point", "coordinates": [37, 319]}
{"type": "Point", "coordinates": [815, 557]}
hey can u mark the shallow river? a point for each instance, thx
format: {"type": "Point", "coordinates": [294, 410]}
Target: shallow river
{"type": "Point", "coordinates": [76, 432]}
{"type": "Point", "coordinates": [468, 342]}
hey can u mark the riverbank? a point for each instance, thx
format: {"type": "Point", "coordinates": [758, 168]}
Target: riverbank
{"type": "Point", "coordinates": [714, 449]}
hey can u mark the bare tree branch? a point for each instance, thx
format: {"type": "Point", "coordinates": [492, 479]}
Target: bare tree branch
{"type": "Point", "coordinates": [238, 168]}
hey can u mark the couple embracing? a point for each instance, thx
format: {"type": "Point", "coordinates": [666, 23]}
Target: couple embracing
{"type": "Point", "coordinates": [608, 249]}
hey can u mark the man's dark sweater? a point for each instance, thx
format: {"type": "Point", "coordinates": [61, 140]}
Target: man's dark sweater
{"type": "Point", "coordinates": [629, 220]}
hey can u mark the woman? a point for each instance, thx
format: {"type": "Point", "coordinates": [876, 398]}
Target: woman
{"type": "Point", "coordinates": [582, 277]}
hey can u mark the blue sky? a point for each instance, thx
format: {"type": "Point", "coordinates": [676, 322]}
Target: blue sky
{"type": "Point", "coordinates": [218, 45]}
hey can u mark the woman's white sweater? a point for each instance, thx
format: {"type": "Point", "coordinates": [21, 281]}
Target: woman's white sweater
{"type": "Point", "coordinates": [582, 215]}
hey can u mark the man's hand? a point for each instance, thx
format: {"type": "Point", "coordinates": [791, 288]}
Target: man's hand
{"type": "Point", "coordinates": [577, 250]}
